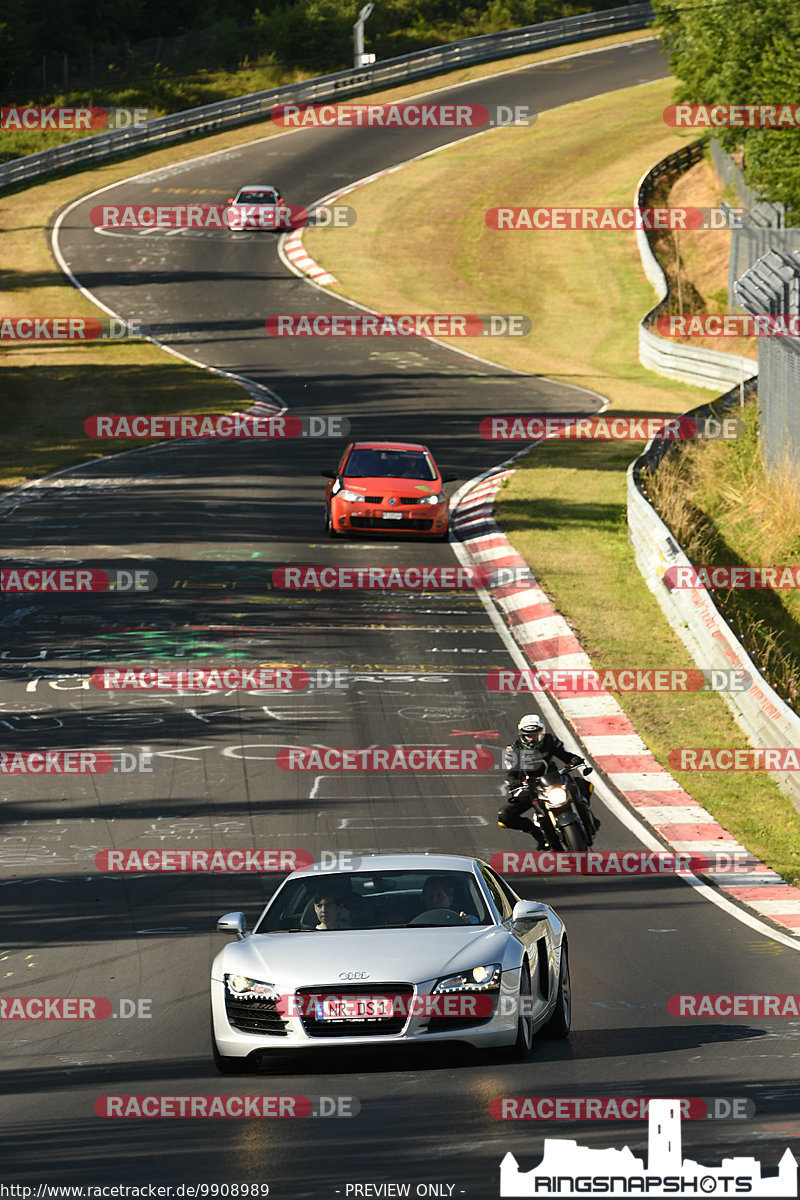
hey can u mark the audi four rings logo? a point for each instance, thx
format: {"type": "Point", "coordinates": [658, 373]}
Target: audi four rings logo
{"type": "Point", "coordinates": [354, 974]}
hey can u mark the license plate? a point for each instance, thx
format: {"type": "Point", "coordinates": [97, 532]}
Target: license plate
{"type": "Point", "coordinates": [354, 1008]}
{"type": "Point", "coordinates": [392, 516]}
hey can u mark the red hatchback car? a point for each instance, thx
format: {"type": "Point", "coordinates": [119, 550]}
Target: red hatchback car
{"type": "Point", "coordinates": [387, 487]}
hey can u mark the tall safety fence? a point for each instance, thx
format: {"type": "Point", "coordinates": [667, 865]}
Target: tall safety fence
{"type": "Point", "coordinates": [763, 226]}
{"type": "Point", "coordinates": [242, 110]}
{"type": "Point", "coordinates": [773, 286]}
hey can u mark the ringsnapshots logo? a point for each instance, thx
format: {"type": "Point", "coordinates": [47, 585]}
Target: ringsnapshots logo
{"type": "Point", "coordinates": [64, 118]}
{"type": "Point", "coordinates": [544, 427]}
{"type": "Point", "coordinates": [215, 425]}
{"type": "Point", "coordinates": [405, 115]}
{"type": "Point", "coordinates": [586, 681]}
{"type": "Point", "coordinates": [368, 325]}
{"type": "Point", "coordinates": [570, 1170]}
{"type": "Point", "coordinates": [562, 217]}
{"type": "Point", "coordinates": [75, 579]}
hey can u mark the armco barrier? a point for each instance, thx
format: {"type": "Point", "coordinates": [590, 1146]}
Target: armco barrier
{"type": "Point", "coordinates": [225, 114]}
{"type": "Point", "coordinates": [760, 713]}
{"type": "Point", "coordinates": [703, 368]}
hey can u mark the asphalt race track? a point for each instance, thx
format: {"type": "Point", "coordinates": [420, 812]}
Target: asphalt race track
{"type": "Point", "coordinates": [213, 519]}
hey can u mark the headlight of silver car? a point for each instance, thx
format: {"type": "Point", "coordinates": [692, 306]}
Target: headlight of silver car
{"type": "Point", "coordinates": [244, 988]}
{"type": "Point", "coordinates": [436, 498]}
{"type": "Point", "coordinates": [479, 979]}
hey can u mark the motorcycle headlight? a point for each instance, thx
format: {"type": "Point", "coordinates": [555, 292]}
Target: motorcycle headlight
{"type": "Point", "coordinates": [244, 988]}
{"type": "Point", "coordinates": [436, 498]}
{"type": "Point", "coordinates": [556, 796]}
{"type": "Point", "coordinates": [480, 979]}
{"type": "Point", "coordinates": [350, 495]}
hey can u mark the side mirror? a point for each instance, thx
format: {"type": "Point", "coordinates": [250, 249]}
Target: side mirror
{"type": "Point", "coordinates": [449, 478]}
{"type": "Point", "coordinates": [230, 200]}
{"type": "Point", "coordinates": [235, 922]}
{"type": "Point", "coordinates": [529, 910]}
{"type": "Point", "coordinates": [328, 474]}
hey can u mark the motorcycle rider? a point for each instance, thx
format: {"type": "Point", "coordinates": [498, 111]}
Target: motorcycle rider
{"type": "Point", "coordinates": [533, 741]}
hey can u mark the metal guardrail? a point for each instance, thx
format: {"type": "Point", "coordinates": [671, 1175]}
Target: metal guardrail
{"type": "Point", "coordinates": [226, 114]}
{"type": "Point", "coordinates": [760, 712]}
{"type": "Point", "coordinates": [704, 368]}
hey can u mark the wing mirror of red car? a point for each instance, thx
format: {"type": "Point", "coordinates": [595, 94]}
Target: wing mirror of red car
{"type": "Point", "coordinates": [328, 474]}
{"type": "Point", "coordinates": [449, 478]}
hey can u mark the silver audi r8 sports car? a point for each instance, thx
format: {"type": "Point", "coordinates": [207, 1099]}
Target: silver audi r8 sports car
{"type": "Point", "coordinates": [395, 949]}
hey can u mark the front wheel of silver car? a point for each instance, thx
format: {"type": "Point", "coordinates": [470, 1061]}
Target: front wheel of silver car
{"type": "Point", "coordinates": [522, 1046]}
{"type": "Point", "coordinates": [561, 1020]}
{"type": "Point", "coordinates": [225, 1064]}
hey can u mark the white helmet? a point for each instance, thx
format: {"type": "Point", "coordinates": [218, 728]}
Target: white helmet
{"type": "Point", "coordinates": [531, 729]}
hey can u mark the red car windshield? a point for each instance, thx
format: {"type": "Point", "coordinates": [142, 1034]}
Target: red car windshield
{"type": "Point", "coordinates": [389, 464]}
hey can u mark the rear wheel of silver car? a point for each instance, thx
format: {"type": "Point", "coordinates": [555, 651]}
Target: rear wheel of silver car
{"type": "Point", "coordinates": [522, 1046]}
{"type": "Point", "coordinates": [561, 1020]}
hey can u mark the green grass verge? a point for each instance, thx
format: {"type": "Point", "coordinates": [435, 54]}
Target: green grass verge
{"type": "Point", "coordinates": [565, 509]}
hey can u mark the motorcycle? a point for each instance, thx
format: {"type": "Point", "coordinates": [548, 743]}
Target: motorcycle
{"type": "Point", "coordinates": [560, 810]}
